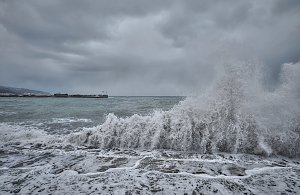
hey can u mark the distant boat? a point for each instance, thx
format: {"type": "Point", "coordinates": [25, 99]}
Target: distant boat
{"type": "Point", "coordinates": [61, 95]}
{"type": "Point", "coordinates": [102, 96]}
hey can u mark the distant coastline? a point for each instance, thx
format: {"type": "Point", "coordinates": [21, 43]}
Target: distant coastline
{"type": "Point", "coordinates": [54, 95]}
{"type": "Point", "coordinates": [25, 93]}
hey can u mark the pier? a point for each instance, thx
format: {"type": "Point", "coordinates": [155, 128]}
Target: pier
{"type": "Point", "coordinates": [56, 95]}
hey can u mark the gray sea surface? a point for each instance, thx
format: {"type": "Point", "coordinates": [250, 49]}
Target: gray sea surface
{"type": "Point", "coordinates": [65, 115]}
{"type": "Point", "coordinates": [142, 145]}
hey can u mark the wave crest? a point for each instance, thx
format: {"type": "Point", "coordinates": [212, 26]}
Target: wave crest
{"type": "Point", "coordinates": [236, 116]}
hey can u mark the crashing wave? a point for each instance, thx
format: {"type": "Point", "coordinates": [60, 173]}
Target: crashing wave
{"type": "Point", "coordinates": [236, 116]}
{"type": "Point", "coordinates": [17, 133]}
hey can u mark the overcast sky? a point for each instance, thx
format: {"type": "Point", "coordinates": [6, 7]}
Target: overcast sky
{"type": "Point", "coordinates": [141, 47]}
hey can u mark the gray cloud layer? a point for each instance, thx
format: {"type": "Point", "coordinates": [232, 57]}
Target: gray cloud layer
{"type": "Point", "coordinates": [141, 47]}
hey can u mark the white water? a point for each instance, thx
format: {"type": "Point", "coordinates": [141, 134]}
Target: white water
{"type": "Point", "coordinates": [236, 116]}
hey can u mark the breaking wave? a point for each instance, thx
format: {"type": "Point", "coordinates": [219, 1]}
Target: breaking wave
{"type": "Point", "coordinates": [18, 133]}
{"type": "Point", "coordinates": [236, 116]}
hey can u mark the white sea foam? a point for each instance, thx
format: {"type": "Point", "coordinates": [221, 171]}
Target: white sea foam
{"type": "Point", "coordinates": [18, 133]}
{"type": "Point", "coordinates": [237, 116]}
{"type": "Point", "coordinates": [86, 172]}
{"type": "Point", "coordinates": [15, 134]}
{"type": "Point", "coordinates": [70, 120]}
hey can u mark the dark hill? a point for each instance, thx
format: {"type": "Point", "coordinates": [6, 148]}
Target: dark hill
{"type": "Point", "coordinates": [20, 91]}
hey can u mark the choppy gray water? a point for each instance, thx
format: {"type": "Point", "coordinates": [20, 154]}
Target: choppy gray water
{"type": "Point", "coordinates": [236, 138]}
{"type": "Point", "coordinates": [65, 115]}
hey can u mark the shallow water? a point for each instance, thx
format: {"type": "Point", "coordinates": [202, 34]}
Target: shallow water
{"type": "Point", "coordinates": [67, 169]}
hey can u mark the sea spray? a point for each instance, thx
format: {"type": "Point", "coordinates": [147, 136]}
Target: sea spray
{"type": "Point", "coordinates": [236, 116]}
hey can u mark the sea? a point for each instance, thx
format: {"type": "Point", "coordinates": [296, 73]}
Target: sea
{"type": "Point", "coordinates": [234, 138]}
{"type": "Point", "coordinates": [66, 115]}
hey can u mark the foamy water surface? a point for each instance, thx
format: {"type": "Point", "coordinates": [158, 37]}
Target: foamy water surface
{"type": "Point", "coordinates": [236, 138]}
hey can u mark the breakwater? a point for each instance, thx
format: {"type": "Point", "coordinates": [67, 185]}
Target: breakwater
{"type": "Point", "coordinates": [56, 95]}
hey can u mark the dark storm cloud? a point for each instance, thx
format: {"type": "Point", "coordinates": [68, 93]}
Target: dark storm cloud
{"type": "Point", "coordinates": [286, 6]}
{"type": "Point", "coordinates": [141, 47]}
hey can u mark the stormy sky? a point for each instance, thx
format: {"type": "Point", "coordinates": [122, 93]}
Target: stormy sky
{"type": "Point", "coordinates": [141, 47]}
